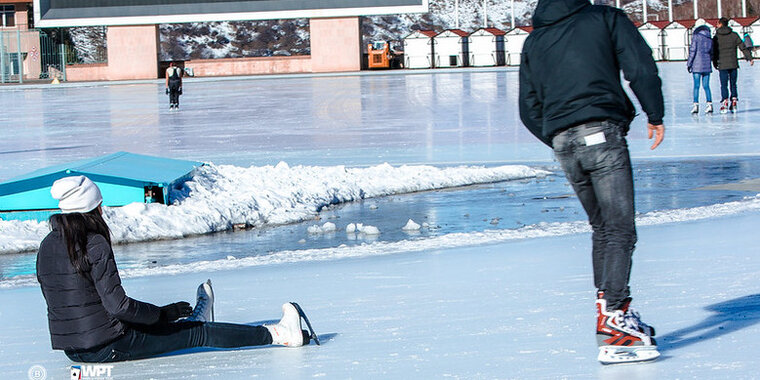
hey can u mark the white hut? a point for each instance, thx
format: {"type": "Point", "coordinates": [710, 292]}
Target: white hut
{"type": "Point", "coordinates": [419, 49]}
{"type": "Point", "coordinates": [676, 37]}
{"type": "Point", "coordinates": [653, 34]}
{"type": "Point", "coordinates": [487, 47]}
{"type": "Point", "coordinates": [515, 39]}
{"type": "Point", "coordinates": [452, 48]}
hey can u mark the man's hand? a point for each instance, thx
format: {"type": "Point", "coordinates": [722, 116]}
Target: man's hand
{"type": "Point", "coordinates": [659, 133]}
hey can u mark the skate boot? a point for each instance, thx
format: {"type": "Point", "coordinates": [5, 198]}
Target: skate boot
{"type": "Point", "coordinates": [708, 108]}
{"type": "Point", "coordinates": [288, 331]}
{"type": "Point", "coordinates": [724, 106]}
{"type": "Point", "coordinates": [622, 336]}
{"type": "Point", "coordinates": [204, 307]}
{"type": "Point", "coordinates": [695, 108]}
{"type": "Point", "coordinates": [734, 103]}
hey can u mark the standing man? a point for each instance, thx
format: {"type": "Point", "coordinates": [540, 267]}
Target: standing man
{"type": "Point", "coordinates": [173, 84]}
{"type": "Point", "coordinates": [571, 98]}
{"type": "Point", "coordinates": [725, 43]}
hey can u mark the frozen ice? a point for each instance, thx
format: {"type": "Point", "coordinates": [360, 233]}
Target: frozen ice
{"type": "Point", "coordinates": [464, 298]}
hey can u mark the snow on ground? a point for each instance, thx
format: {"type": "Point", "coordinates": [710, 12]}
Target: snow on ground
{"type": "Point", "coordinates": [520, 309]}
{"type": "Point", "coordinates": [220, 197]}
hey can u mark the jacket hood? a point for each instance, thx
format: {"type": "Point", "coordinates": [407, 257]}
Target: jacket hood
{"type": "Point", "coordinates": [703, 31]}
{"type": "Point", "coordinates": [724, 30]}
{"type": "Point", "coordinates": [550, 12]}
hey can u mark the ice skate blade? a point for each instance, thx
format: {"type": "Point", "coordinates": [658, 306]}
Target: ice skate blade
{"type": "Point", "coordinates": [619, 355]}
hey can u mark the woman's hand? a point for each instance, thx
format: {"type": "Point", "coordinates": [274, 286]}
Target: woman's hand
{"type": "Point", "coordinates": [174, 311]}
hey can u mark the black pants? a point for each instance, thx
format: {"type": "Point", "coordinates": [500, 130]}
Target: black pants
{"type": "Point", "coordinates": [596, 162]}
{"type": "Point", "coordinates": [151, 341]}
{"type": "Point", "coordinates": [174, 86]}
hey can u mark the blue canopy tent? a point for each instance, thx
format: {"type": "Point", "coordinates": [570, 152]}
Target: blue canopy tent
{"type": "Point", "coordinates": [123, 178]}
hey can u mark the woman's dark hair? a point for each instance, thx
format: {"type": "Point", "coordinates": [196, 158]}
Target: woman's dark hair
{"type": "Point", "coordinates": [74, 228]}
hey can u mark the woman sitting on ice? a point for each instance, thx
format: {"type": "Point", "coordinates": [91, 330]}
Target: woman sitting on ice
{"type": "Point", "coordinates": [93, 320]}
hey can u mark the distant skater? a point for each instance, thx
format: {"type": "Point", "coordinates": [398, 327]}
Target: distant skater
{"type": "Point", "coordinates": [92, 319]}
{"type": "Point", "coordinates": [725, 43]}
{"type": "Point", "coordinates": [571, 98]}
{"type": "Point", "coordinates": [173, 84]}
{"type": "Point", "coordinates": [699, 64]}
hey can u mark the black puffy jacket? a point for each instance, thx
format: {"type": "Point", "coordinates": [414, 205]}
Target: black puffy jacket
{"type": "Point", "coordinates": [725, 43]}
{"type": "Point", "coordinates": [570, 68]}
{"type": "Point", "coordinates": [86, 310]}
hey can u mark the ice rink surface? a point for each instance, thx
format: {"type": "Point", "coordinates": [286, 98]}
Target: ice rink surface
{"type": "Point", "coordinates": [511, 309]}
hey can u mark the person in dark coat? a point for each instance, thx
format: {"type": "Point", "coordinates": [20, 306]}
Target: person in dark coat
{"type": "Point", "coordinates": [725, 43]}
{"type": "Point", "coordinates": [571, 98]}
{"type": "Point", "coordinates": [90, 316]}
{"type": "Point", "coordinates": [699, 64]}
{"type": "Point", "coordinates": [173, 84]}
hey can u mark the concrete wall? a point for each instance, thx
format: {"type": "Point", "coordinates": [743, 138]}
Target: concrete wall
{"type": "Point", "coordinates": [335, 44]}
{"type": "Point", "coordinates": [249, 66]}
{"type": "Point", "coordinates": [133, 54]}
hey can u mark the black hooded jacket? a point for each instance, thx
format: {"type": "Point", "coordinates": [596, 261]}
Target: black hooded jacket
{"type": "Point", "coordinates": [725, 43]}
{"type": "Point", "coordinates": [87, 310]}
{"type": "Point", "coordinates": [570, 68]}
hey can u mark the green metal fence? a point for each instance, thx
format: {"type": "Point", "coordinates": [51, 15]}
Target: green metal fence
{"type": "Point", "coordinates": [28, 55]}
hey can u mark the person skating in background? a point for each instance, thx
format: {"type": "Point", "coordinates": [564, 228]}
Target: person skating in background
{"type": "Point", "coordinates": [92, 319]}
{"type": "Point", "coordinates": [173, 84]}
{"type": "Point", "coordinates": [699, 64]}
{"type": "Point", "coordinates": [571, 98]}
{"type": "Point", "coordinates": [725, 43]}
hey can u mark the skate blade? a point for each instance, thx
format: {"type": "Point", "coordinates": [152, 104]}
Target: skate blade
{"type": "Point", "coordinates": [620, 355]}
{"type": "Point", "coordinates": [302, 314]}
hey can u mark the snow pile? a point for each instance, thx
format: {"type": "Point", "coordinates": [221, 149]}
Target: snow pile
{"type": "Point", "coordinates": [411, 226]}
{"type": "Point", "coordinates": [220, 197]}
{"type": "Point", "coordinates": [324, 229]}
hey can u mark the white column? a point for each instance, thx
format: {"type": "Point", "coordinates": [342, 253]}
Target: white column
{"type": "Point", "coordinates": [670, 10]}
{"type": "Point", "coordinates": [744, 8]}
{"type": "Point", "coordinates": [720, 11]}
{"type": "Point", "coordinates": [696, 11]}
{"type": "Point", "coordinates": [617, 3]}
{"type": "Point", "coordinates": [513, 14]}
{"type": "Point", "coordinates": [456, 14]}
{"type": "Point", "coordinates": [644, 10]}
{"type": "Point", "coordinates": [485, 13]}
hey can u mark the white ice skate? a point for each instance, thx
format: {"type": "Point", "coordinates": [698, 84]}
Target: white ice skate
{"type": "Point", "coordinates": [204, 307]}
{"type": "Point", "coordinates": [708, 108]}
{"type": "Point", "coordinates": [287, 332]}
{"type": "Point", "coordinates": [622, 336]}
{"type": "Point", "coordinates": [695, 108]}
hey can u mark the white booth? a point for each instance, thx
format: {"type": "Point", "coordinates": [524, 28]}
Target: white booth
{"type": "Point", "coordinates": [515, 39]}
{"type": "Point", "coordinates": [653, 34]}
{"type": "Point", "coordinates": [419, 49]}
{"type": "Point", "coordinates": [451, 48]}
{"type": "Point", "coordinates": [676, 37]}
{"type": "Point", "coordinates": [487, 47]}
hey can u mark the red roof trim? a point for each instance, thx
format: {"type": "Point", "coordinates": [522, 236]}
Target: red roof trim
{"type": "Point", "coordinates": [526, 28]}
{"type": "Point", "coordinates": [494, 31]}
{"type": "Point", "coordinates": [458, 32]}
{"type": "Point", "coordinates": [659, 24]}
{"type": "Point", "coordinates": [745, 21]}
{"type": "Point", "coordinates": [688, 24]}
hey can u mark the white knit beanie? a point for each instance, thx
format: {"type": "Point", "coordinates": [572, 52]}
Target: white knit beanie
{"type": "Point", "coordinates": [76, 194]}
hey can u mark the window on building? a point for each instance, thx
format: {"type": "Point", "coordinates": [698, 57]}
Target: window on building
{"type": "Point", "coordinates": [8, 15]}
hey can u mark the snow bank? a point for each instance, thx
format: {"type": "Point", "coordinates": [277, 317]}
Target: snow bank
{"type": "Point", "coordinates": [220, 197]}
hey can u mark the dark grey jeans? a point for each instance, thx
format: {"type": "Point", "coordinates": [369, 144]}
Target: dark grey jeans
{"type": "Point", "coordinates": [596, 162]}
{"type": "Point", "coordinates": [140, 342]}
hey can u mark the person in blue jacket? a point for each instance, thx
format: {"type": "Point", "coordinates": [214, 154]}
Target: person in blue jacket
{"type": "Point", "coordinates": [699, 65]}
